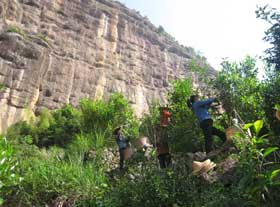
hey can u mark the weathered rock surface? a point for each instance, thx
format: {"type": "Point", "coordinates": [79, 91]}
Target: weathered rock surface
{"type": "Point", "coordinates": [57, 52]}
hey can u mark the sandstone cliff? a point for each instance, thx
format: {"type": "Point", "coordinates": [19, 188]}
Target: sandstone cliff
{"type": "Point", "coordinates": [54, 52]}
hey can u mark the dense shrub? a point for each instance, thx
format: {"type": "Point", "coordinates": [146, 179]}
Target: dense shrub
{"type": "Point", "coordinates": [272, 35]}
{"type": "Point", "coordinates": [272, 81]}
{"type": "Point", "coordinates": [60, 126]}
{"type": "Point", "coordinates": [105, 116]}
{"type": "Point", "coordinates": [9, 174]}
{"type": "Point", "coordinates": [184, 132]}
{"type": "Point", "coordinates": [271, 96]}
{"type": "Point", "coordinates": [240, 89]}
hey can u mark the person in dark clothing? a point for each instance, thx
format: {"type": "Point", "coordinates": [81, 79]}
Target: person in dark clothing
{"type": "Point", "coordinates": [163, 154]}
{"type": "Point", "coordinates": [201, 107]}
{"type": "Point", "coordinates": [122, 142]}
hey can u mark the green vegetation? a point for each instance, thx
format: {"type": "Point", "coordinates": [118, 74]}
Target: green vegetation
{"type": "Point", "coordinates": [272, 16]}
{"type": "Point", "coordinates": [48, 159]}
{"type": "Point", "coordinates": [187, 50]}
{"type": "Point", "coordinates": [17, 30]}
{"type": "Point", "coordinates": [2, 86]}
{"type": "Point", "coordinates": [9, 175]}
{"type": "Point", "coordinates": [235, 94]}
{"type": "Point", "coordinates": [62, 157]}
{"type": "Point", "coordinates": [52, 152]}
{"type": "Point", "coordinates": [44, 38]}
{"type": "Point", "coordinates": [184, 133]}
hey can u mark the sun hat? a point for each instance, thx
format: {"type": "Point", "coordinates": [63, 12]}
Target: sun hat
{"type": "Point", "coordinates": [207, 167]}
{"type": "Point", "coordinates": [196, 166]}
{"type": "Point", "coordinates": [142, 141]}
{"type": "Point", "coordinates": [202, 167]}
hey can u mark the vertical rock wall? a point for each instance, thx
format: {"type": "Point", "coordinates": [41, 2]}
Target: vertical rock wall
{"type": "Point", "coordinates": [55, 52]}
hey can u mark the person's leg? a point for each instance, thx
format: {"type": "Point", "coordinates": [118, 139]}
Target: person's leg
{"type": "Point", "coordinates": [168, 160]}
{"type": "Point", "coordinates": [219, 133]}
{"type": "Point", "coordinates": [207, 127]}
{"type": "Point", "coordinates": [161, 160]}
{"type": "Point", "coordinates": [121, 158]}
{"type": "Point", "coordinates": [164, 134]}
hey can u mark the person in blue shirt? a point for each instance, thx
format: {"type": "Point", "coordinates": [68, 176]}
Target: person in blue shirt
{"type": "Point", "coordinates": [201, 107]}
{"type": "Point", "coordinates": [122, 142]}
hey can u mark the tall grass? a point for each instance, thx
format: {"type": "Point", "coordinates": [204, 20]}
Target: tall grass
{"type": "Point", "coordinates": [54, 151]}
{"type": "Point", "coordinates": [9, 177]}
{"type": "Point", "coordinates": [49, 176]}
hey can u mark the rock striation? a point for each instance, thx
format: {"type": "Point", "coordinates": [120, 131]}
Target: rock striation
{"type": "Point", "coordinates": [55, 52]}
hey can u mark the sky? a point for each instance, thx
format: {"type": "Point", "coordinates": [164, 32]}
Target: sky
{"type": "Point", "coordinates": [216, 29]}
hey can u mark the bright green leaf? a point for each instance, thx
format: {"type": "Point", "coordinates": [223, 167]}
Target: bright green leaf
{"type": "Point", "coordinates": [247, 126]}
{"type": "Point", "coordinates": [274, 174]}
{"type": "Point", "coordinates": [258, 125]}
{"type": "Point", "coordinates": [277, 107]}
{"type": "Point", "coordinates": [269, 150]}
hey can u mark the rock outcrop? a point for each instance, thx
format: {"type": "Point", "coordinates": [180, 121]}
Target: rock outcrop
{"type": "Point", "coordinates": [60, 51]}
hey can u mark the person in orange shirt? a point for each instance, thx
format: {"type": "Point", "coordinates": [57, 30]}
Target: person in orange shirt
{"type": "Point", "coordinates": [165, 117]}
{"type": "Point", "coordinates": [163, 154]}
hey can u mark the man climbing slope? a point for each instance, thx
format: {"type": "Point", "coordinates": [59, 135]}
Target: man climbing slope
{"type": "Point", "coordinates": [123, 144]}
{"type": "Point", "coordinates": [201, 107]}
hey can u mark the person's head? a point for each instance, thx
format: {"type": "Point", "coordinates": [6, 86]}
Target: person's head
{"type": "Point", "coordinates": [162, 108]}
{"type": "Point", "coordinates": [117, 130]}
{"type": "Point", "coordinates": [193, 99]}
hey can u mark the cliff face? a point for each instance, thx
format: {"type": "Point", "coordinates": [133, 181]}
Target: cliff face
{"type": "Point", "coordinates": [54, 52]}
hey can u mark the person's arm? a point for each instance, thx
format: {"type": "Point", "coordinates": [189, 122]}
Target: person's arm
{"type": "Point", "coordinates": [117, 137]}
{"type": "Point", "coordinates": [205, 102]}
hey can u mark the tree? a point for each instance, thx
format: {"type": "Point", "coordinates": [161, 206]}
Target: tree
{"type": "Point", "coordinates": [239, 89]}
{"type": "Point", "coordinates": [272, 35]}
{"type": "Point", "coordinates": [271, 87]}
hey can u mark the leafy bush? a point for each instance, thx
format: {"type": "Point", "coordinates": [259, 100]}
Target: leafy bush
{"type": "Point", "coordinates": [271, 96]}
{"type": "Point", "coordinates": [246, 99]}
{"type": "Point", "coordinates": [50, 128]}
{"type": "Point", "coordinates": [151, 187]}
{"type": "Point", "coordinates": [271, 16]}
{"type": "Point", "coordinates": [272, 82]}
{"type": "Point", "coordinates": [184, 132]}
{"type": "Point", "coordinates": [257, 172]}
{"type": "Point", "coordinates": [9, 175]}
{"type": "Point", "coordinates": [150, 121]}
{"type": "Point", "coordinates": [59, 127]}
{"type": "Point", "coordinates": [105, 116]}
